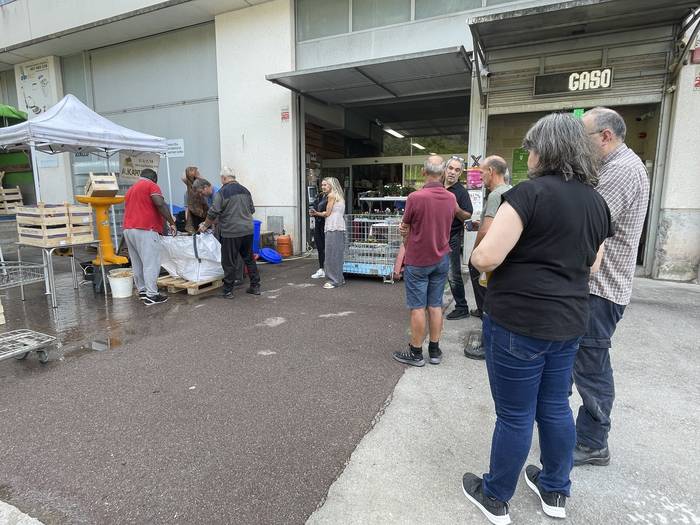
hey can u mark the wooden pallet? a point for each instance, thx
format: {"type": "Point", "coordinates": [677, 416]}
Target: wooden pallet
{"type": "Point", "coordinates": [176, 284]}
{"type": "Point", "coordinates": [51, 225]}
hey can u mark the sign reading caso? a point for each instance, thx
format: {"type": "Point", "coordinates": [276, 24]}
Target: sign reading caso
{"type": "Point", "coordinates": [573, 82]}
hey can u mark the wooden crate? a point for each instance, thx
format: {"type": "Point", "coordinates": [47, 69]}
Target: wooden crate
{"type": "Point", "coordinates": [102, 185]}
{"type": "Point", "coordinates": [51, 225]}
{"type": "Point", "coordinates": [176, 284]}
{"type": "Point", "coordinates": [10, 200]}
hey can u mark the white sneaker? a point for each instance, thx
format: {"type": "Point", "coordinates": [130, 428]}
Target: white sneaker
{"type": "Point", "coordinates": [319, 274]}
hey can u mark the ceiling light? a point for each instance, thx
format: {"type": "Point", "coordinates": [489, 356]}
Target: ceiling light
{"type": "Point", "coordinates": [416, 145]}
{"type": "Point", "coordinates": [394, 133]}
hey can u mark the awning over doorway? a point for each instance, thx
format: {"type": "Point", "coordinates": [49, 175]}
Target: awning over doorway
{"type": "Point", "coordinates": [401, 77]}
{"type": "Point", "coordinates": [574, 19]}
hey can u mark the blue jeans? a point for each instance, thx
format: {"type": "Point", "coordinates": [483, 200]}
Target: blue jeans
{"type": "Point", "coordinates": [454, 277]}
{"type": "Point", "coordinates": [593, 373]}
{"type": "Point", "coordinates": [426, 284]}
{"type": "Point", "coordinates": [530, 381]}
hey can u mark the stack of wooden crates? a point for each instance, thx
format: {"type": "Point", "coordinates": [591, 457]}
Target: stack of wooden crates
{"type": "Point", "coordinates": [52, 225]}
{"type": "Point", "coordinates": [10, 198]}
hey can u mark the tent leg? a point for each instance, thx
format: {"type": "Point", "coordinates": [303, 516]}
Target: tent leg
{"type": "Point", "coordinates": [111, 208]}
{"type": "Point", "coordinates": [35, 174]}
{"type": "Point", "coordinates": [170, 187]}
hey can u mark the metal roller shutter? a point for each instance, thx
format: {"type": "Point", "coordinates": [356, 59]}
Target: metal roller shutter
{"type": "Point", "coordinates": [638, 77]}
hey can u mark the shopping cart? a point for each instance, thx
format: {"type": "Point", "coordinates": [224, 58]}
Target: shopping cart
{"type": "Point", "coordinates": [19, 343]}
{"type": "Point", "coordinates": [372, 243]}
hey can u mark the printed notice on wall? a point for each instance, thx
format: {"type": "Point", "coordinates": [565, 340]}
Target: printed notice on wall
{"type": "Point", "coordinates": [131, 165]}
{"type": "Point", "coordinates": [519, 174]}
{"type": "Point", "coordinates": [34, 83]}
{"type": "Point", "coordinates": [176, 148]}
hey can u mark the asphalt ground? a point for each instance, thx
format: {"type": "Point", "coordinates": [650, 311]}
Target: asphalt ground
{"type": "Point", "coordinates": [200, 410]}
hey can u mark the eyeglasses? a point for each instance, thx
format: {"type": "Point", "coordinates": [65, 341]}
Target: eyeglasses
{"type": "Point", "coordinates": [455, 157]}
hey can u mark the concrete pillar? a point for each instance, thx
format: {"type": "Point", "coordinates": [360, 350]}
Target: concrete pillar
{"type": "Point", "coordinates": [40, 86]}
{"type": "Point", "coordinates": [257, 119]}
{"type": "Point", "coordinates": [677, 253]}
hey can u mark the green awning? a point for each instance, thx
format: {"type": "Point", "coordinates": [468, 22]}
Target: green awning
{"type": "Point", "coordinates": [12, 112]}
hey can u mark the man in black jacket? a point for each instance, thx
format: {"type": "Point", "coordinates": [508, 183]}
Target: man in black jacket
{"type": "Point", "coordinates": [233, 207]}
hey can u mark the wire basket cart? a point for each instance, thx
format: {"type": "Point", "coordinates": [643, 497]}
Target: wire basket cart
{"type": "Point", "coordinates": [19, 343]}
{"type": "Point", "coordinates": [14, 274]}
{"type": "Point", "coordinates": [372, 243]}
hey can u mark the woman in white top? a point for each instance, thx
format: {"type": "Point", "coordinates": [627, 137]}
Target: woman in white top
{"type": "Point", "coordinates": [334, 232]}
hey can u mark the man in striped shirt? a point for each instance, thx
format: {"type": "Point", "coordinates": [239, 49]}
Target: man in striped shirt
{"type": "Point", "coordinates": [624, 185]}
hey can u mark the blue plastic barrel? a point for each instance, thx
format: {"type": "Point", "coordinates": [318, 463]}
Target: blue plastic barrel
{"type": "Point", "coordinates": [256, 235]}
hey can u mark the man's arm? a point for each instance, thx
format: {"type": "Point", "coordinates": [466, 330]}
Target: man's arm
{"type": "Point", "coordinates": [483, 229]}
{"type": "Point", "coordinates": [213, 213]}
{"type": "Point", "coordinates": [164, 211]}
{"type": "Point", "coordinates": [464, 207]}
{"type": "Point", "coordinates": [507, 229]}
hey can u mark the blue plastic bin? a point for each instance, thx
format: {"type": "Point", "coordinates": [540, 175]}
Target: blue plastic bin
{"type": "Point", "coordinates": [256, 235]}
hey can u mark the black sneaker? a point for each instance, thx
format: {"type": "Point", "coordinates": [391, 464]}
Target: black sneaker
{"type": "Point", "coordinates": [154, 299]}
{"type": "Point", "coordinates": [142, 295]}
{"type": "Point", "coordinates": [409, 357]}
{"type": "Point", "coordinates": [227, 294]}
{"type": "Point", "coordinates": [253, 290]}
{"type": "Point", "coordinates": [553, 503]}
{"type": "Point", "coordinates": [458, 313]}
{"type": "Point", "coordinates": [584, 455]}
{"type": "Point", "coordinates": [476, 313]}
{"type": "Point", "coordinates": [435, 356]}
{"type": "Point", "coordinates": [495, 511]}
{"type": "Point", "coordinates": [475, 353]}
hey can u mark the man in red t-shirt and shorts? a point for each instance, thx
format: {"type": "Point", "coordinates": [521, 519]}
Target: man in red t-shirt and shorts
{"type": "Point", "coordinates": [145, 211]}
{"type": "Point", "coordinates": [426, 226]}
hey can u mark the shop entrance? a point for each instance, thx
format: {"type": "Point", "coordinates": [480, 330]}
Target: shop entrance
{"type": "Point", "coordinates": [505, 134]}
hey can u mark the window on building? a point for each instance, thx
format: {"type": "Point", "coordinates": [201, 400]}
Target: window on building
{"type": "Point", "coordinates": [319, 18]}
{"type": "Point", "coordinates": [428, 8]}
{"type": "Point", "coordinates": [376, 13]}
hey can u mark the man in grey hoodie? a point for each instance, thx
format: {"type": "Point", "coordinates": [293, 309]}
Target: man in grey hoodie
{"type": "Point", "coordinates": [233, 207]}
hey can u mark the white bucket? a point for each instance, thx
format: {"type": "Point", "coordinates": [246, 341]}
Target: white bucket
{"type": "Point", "coordinates": [121, 281]}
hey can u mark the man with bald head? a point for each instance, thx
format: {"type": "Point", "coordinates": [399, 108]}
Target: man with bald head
{"type": "Point", "coordinates": [624, 184]}
{"type": "Point", "coordinates": [426, 227]}
{"type": "Point", "coordinates": [494, 173]}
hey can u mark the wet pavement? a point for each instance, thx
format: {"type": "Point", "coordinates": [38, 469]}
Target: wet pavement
{"type": "Point", "coordinates": [200, 410]}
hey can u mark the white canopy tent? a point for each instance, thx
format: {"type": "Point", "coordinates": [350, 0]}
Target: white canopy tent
{"type": "Point", "coordinates": [71, 126]}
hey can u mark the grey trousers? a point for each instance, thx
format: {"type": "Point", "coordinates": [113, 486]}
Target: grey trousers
{"type": "Point", "coordinates": [335, 255]}
{"type": "Point", "coordinates": [144, 253]}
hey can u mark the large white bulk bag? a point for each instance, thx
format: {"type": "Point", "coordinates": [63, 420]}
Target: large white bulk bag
{"type": "Point", "coordinates": [193, 258]}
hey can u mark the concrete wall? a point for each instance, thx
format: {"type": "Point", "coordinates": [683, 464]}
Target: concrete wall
{"type": "Point", "coordinates": [413, 37]}
{"type": "Point", "coordinates": [678, 241]}
{"type": "Point", "coordinates": [25, 20]}
{"type": "Point", "coordinates": [255, 141]}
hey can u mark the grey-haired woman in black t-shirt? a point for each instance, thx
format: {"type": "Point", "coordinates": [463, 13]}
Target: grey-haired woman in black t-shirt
{"type": "Point", "coordinates": [542, 245]}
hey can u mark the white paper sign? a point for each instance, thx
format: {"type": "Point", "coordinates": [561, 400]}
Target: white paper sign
{"type": "Point", "coordinates": [131, 165]}
{"type": "Point", "coordinates": [176, 148]}
{"type": "Point", "coordinates": [477, 198]}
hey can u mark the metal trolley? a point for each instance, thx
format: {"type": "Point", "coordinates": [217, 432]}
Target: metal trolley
{"type": "Point", "coordinates": [372, 243]}
{"type": "Point", "coordinates": [19, 343]}
{"type": "Point", "coordinates": [14, 274]}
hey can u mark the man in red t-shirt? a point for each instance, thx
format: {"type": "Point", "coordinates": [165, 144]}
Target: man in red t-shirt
{"type": "Point", "coordinates": [426, 229]}
{"type": "Point", "coordinates": [145, 211]}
